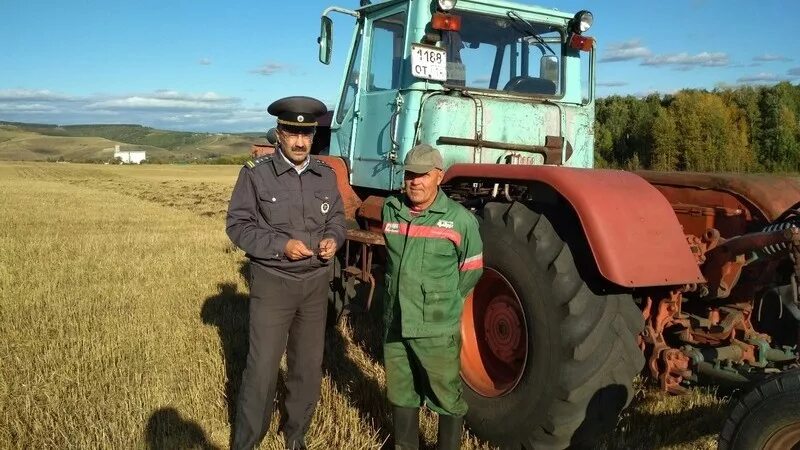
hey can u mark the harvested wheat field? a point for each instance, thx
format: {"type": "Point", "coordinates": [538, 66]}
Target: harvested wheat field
{"type": "Point", "coordinates": [123, 324]}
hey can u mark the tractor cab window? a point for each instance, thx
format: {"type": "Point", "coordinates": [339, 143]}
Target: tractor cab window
{"type": "Point", "coordinates": [386, 56]}
{"type": "Point", "coordinates": [351, 83]}
{"type": "Point", "coordinates": [504, 54]}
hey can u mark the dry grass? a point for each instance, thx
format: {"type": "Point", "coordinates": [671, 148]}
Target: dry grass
{"type": "Point", "coordinates": [123, 318]}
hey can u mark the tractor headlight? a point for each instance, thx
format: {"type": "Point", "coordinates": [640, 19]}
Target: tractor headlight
{"type": "Point", "coordinates": [447, 5]}
{"type": "Point", "coordinates": [582, 22]}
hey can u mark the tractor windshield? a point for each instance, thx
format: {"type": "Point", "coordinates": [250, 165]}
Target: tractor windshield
{"type": "Point", "coordinates": [504, 54]}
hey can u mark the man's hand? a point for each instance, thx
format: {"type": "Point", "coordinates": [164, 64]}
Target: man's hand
{"type": "Point", "coordinates": [327, 248]}
{"type": "Point", "coordinates": [296, 250]}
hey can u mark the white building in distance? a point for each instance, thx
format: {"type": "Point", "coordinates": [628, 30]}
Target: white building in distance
{"type": "Point", "coordinates": [129, 157]}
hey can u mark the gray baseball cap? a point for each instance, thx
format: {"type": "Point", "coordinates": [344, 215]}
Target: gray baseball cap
{"type": "Point", "coordinates": [423, 158]}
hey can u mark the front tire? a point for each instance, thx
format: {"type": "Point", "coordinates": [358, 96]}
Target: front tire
{"type": "Point", "coordinates": [767, 417]}
{"type": "Point", "coordinates": [547, 360]}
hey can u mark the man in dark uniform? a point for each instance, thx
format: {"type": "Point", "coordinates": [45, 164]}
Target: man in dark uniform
{"type": "Point", "coordinates": [286, 214]}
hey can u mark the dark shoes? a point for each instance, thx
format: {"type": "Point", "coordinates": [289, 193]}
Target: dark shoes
{"type": "Point", "coordinates": [449, 436]}
{"type": "Point", "coordinates": [406, 430]}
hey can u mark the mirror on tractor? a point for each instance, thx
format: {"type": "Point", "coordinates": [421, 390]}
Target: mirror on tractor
{"type": "Point", "coordinates": [324, 40]}
{"type": "Point", "coordinates": [548, 68]}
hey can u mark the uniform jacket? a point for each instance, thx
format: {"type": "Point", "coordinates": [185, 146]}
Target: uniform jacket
{"type": "Point", "coordinates": [433, 262]}
{"type": "Point", "coordinates": [271, 203]}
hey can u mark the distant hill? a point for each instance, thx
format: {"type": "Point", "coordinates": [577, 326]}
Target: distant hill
{"type": "Point", "coordinates": [95, 143]}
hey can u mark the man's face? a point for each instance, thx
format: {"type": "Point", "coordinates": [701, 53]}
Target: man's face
{"type": "Point", "coordinates": [421, 188]}
{"type": "Point", "coordinates": [295, 144]}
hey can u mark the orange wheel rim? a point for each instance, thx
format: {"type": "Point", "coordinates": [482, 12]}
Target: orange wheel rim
{"type": "Point", "coordinates": [786, 437]}
{"type": "Point", "coordinates": [494, 337]}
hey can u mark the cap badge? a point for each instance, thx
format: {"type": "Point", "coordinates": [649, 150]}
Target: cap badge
{"type": "Point", "coordinates": [301, 119]}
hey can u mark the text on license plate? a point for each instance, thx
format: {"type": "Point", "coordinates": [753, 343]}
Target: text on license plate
{"type": "Point", "coordinates": [428, 62]}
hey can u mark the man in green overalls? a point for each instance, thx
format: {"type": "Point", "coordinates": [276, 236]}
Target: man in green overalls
{"type": "Point", "coordinates": [434, 259]}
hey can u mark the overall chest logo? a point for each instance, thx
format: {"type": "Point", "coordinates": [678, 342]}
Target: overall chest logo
{"type": "Point", "coordinates": [445, 224]}
{"type": "Point", "coordinates": [325, 207]}
{"type": "Point", "coordinates": [391, 228]}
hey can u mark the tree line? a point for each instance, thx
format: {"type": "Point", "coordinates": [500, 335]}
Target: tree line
{"type": "Point", "coordinates": [746, 129]}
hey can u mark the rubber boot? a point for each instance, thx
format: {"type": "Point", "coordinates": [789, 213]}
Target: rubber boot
{"type": "Point", "coordinates": [406, 428]}
{"type": "Point", "coordinates": [449, 435]}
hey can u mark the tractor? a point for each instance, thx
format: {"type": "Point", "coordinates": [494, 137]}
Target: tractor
{"type": "Point", "coordinates": [591, 276]}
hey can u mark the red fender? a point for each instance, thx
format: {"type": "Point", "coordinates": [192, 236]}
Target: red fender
{"type": "Point", "coordinates": [631, 228]}
{"type": "Point", "coordinates": [350, 199]}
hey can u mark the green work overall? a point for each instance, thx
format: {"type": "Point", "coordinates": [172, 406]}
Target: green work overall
{"type": "Point", "coordinates": [434, 259]}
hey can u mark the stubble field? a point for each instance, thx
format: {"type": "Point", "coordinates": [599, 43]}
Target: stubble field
{"type": "Point", "coordinates": [123, 324]}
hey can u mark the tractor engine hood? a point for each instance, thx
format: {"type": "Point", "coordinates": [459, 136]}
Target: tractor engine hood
{"type": "Point", "coordinates": [472, 128]}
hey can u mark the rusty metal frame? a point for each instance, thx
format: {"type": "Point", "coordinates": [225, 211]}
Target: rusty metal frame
{"type": "Point", "coordinates": [769, 196]}
{"type": "Point", "coordinates": [723, 336]}
{"type": "Point", "coordinates": [725, 261]}
{"type": "Point", "coordinates": [366, 241]}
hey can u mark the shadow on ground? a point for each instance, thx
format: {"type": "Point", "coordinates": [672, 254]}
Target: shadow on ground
{"type": "Point", "coordinates": [167, 430]}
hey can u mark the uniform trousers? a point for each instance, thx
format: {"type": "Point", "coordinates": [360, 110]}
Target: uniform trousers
{"type": "Point", "coordinates": [424, 370]}
{"type": "Point", "coordinates": [285, 314]}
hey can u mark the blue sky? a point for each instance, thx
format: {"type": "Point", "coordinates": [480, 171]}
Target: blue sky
{"type": "Point", "coordinates": [214, 66]}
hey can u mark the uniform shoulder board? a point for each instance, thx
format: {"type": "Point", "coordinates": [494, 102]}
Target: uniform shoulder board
{"type": "Point", "coordinates": [251, 163]}
{"type": "Point", "coordinates": [322, 163]}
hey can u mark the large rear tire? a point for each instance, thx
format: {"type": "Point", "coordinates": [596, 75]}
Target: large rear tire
{"type": "Point", "coordinates": [767, 417]}
{"type": "Point", "coordinates": [548, 361]}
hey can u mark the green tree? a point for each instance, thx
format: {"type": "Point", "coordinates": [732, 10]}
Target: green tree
{"type": "Point", "coordinates": [779, 134]}
{"type": "Point", "coordinates": [708, 137]}
{"type": "Point", "coordinates": [742, 129]}
{"type": "Point", "coordinates": [613, 113]}
{"type": "Point", "coordinates": [665, 142]}
{"type": "Point", "coordinates": [643, 115]}
{"type": "Point", "coordinates": [747, 115]}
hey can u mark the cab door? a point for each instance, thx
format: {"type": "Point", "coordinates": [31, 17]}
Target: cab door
{"type": "Point", "coordinates": [343, 123]}
{"type": "Point", "coordinates": [379, 83]}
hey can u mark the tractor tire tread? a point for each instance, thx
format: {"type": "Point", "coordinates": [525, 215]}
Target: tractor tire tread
{"type": "Point", "coordinates": [599, 351]}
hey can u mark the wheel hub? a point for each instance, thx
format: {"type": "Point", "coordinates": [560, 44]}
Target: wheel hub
{"type": "Point", "coordinates": [503, 329]}
{"type": "Point", "coordinates": [494, 336]}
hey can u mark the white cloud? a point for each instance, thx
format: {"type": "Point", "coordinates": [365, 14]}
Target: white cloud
{"type": "Point", "coordinates": [625, 51]}
{"type": "Point", "coordinates": [767, 57]}
{"type": "Point", "coordinates": [30, 108]}
{"type": "Point", "coordinates": [167, 101]}
{"type": "Point", "coordinates": [169, 109]}
{"type": "Point", "coordinates": [204, 62]}
{"type": "Point", "coordinates": [763, 77]}
{"type": "Point", "coordinates": [270, 68]}
{"type": "Point", "coordinates": [204, 97]}
{"type": "Point", "coordinates": [16, 95]}
{"type": "Point", "coordinates": [612, 83]}
{"type": "Point", "coordinates": [687, 61]}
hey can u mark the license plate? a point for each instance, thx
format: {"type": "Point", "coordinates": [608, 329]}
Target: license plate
{"type": "Point", "coordinates": [428, 62]}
